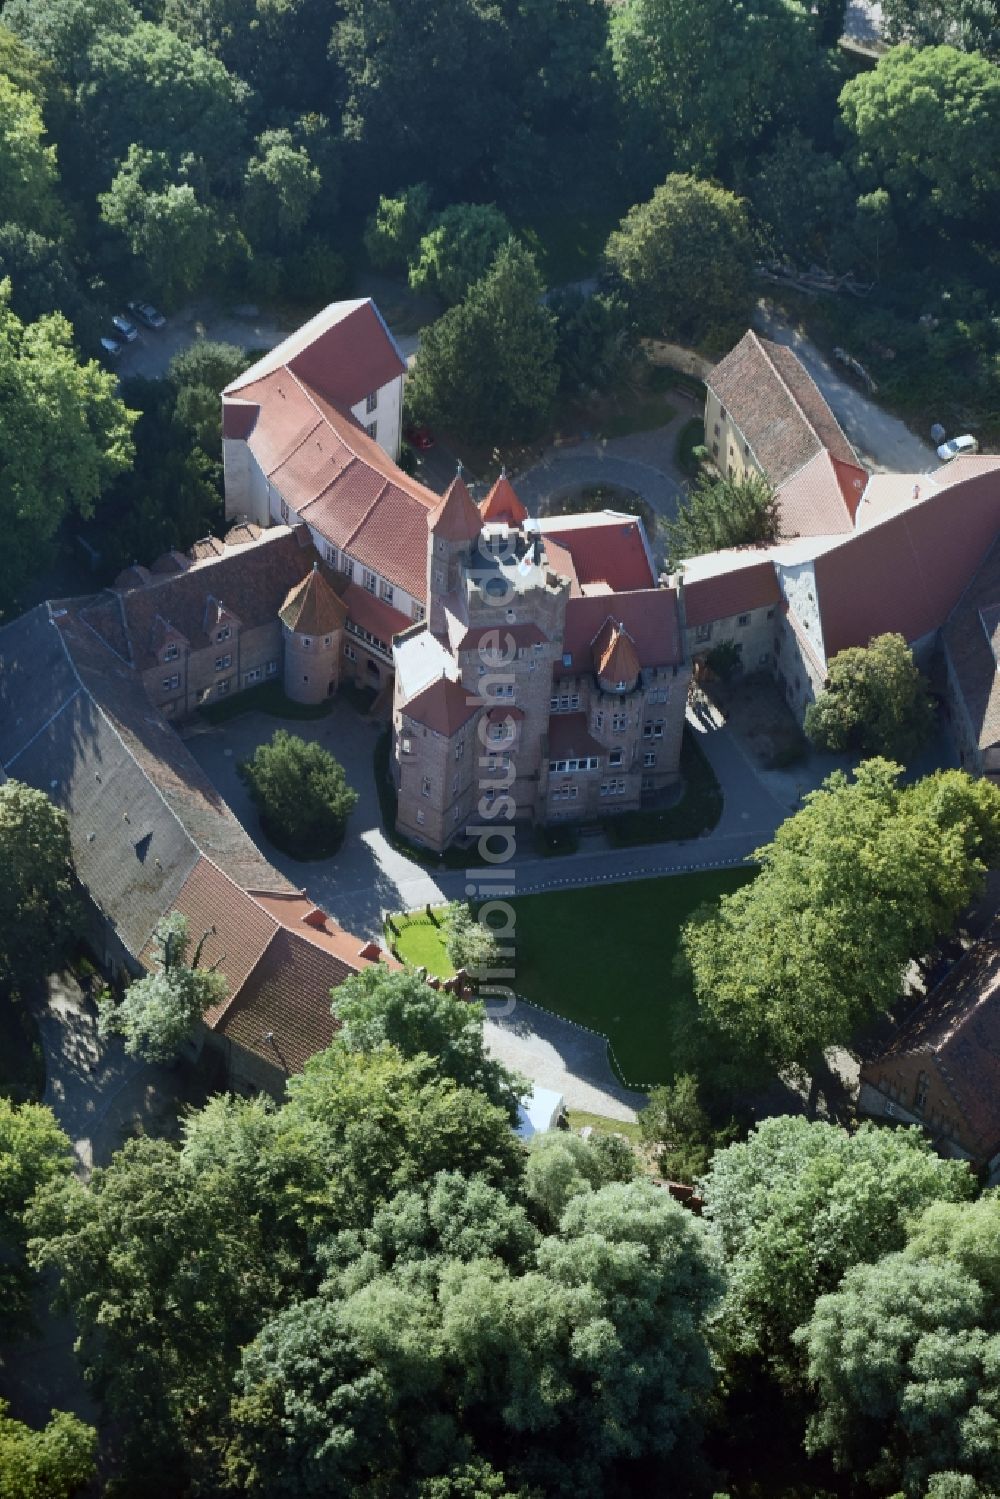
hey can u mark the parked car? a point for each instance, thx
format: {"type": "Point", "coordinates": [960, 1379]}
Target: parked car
{"type": "Point", "coordinates": [420, 438]}
{"type": "Point", "coordinates": [147, 314]}
{"type": "Point", "coordinates": [111, 347]}
{"type": "Point", "coordinates": [124, 329]}
{"type": "Point", "coordinates": [958, 445]}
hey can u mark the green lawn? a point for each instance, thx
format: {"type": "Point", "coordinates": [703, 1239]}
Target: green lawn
{"type": "Point", "coordinates": [604, 957]}
{"type": "Point", "coordinates": [419, 941]}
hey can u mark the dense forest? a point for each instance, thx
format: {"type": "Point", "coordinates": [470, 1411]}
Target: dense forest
{"type": "Point", "coordinates": [251, 150]}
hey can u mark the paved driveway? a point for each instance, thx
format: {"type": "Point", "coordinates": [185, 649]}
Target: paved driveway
{"type": "Point", "coordinates": [884, 442]}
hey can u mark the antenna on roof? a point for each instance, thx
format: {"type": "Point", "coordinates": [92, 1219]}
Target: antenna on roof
{"type": "Point", "coordinates": [503, 470]}
{"type": "Point", "coordinates": [458, 469]}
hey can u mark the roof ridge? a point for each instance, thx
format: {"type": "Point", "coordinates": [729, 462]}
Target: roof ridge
{"type": "Point", "coordinates": [367, 513]}
{"type": "Point", "coordinates": [133, 758]}
{"type": "Point", "coordinates": [772, 343]}
{"type": "Point", "coordinates": [274, 923]}
{"type": "Point", "coordinates": [80, 615]}
{"type": "Point", "coordinates": [297, 446]}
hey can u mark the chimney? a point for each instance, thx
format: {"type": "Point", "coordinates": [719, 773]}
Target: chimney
{"type": "Point", "coordinates": [916, 491]}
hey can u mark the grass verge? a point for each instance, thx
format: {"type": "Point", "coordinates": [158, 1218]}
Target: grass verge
{"type": "Point", "coordinates": [580, 1119]}
{"type": "Point", "coordinates": [697, 812]}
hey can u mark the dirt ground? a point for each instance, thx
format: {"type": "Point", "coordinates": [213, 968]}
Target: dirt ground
{"type": "Point", "coordinates": [758, 714]}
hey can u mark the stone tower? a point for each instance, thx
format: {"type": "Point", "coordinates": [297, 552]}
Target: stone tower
{"type": "Point", "coordinates": [312, 620]}
{"type": "Point", "coordinates": [453, 528]}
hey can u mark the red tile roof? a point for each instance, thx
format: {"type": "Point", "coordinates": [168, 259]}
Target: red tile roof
{"type": "Point", "coordinates": [609, 551]}
{"type": "Point", "coordinates": [560, 560]}
{"type": "Point", "coordinates": [502, 504]}
{"type": "Point", "coordinates": [336, 477]}
{"type": "Point", "coordinates": [312, 607]}
{"type": "Point", "coordinates": [374, 615]}
{"type": "Point", "coordinates": [498, 637]}
{"type": "Point", "coordinates": [777, 406]}
{"type": "Point", "coordinates": [821, 499]}
{"type": "Point", "coordinates": [570, 737]}
{"type": "Point", "coordinates": [907, 573]}
{"type": "Point", "coordinates": [649, 616]}
{"type": "Point", "coordinates": [754, 586]}
{"type": "Point", "coordinates": [345, 352]}
{"type": "Point", "coordinates": [615, 657]}
{"type": "Point", "coordinates": [456, 516]}
{"type": "Point", "coordinates": [443, 707]}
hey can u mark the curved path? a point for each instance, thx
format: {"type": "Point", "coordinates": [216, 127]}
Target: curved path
{"type": "Point", "coordinates": [561, 472]}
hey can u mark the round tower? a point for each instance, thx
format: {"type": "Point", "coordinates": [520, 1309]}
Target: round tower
{"type": "Point", "coordinates": [312, 624]}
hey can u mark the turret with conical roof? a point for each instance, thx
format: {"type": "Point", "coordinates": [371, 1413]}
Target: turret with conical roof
{"type": "Point", "coordinates": [312, 619]}
{"type": "Point", "coordinates": [453, 529]}
{"type": "Point", "coordinates": [502, 503]}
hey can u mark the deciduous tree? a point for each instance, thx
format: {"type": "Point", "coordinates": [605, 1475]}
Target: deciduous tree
{"type": "Point", "coordinates": [53, 1463]}
{"type": "Point", "coordinates": [394, 230]}
{"type": "Point", "coordinates": [28, 177]}
{"type": "Point", "coordinates": [376, 1007]}
{"type": "Point", "coordinates": [457, 249]}
{"type": "Point", "coordinates": [165, 221]}
{"type": "Point", "coordinates": [685, 262]}
{"type": "Point", "coordinates": [874, 700]}
{"type": "Point", "coordinates": [33, 1151]}
{"type": "Point", "coordinates": [906, 1374]}
{"type": "Point", "coordinates": [925, 125]}
{"type": "Point", "coordinates": [301, 794]}
{"type": "Point", "coordinates": [160, 1011]}
{"type": "Point", "coordinates": [856, 885]}
{"type": "Point", "coordinates": [797, 1204]}
{"type": "Point", "coordinates": [702, 83]}
{"type": "Point", "coordinates": [486, 369]}
{"type": "Point", "coordinates": [64, 434]}
{"type": "Point", "coordinates": [39, 901]}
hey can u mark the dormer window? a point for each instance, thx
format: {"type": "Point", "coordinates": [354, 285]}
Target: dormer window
{"type": "Point", "coordinates": [621, 686]}
{"type": "Point", "coordinates": [223, 634]}
{"type": "Point", "coordinates": [171, 653]}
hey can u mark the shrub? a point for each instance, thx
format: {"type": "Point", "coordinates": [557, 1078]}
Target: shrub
{"type": "Point", "coordinates": [301, 794]}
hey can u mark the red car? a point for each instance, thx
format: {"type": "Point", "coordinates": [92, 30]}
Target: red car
{"type": "Point", "coordinates": [420, 438]}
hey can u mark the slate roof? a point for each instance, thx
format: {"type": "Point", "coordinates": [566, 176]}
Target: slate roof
{"type": "Point", "coordinates": [778, 407]}
{"type": "Point", "coordinates": [970, 644]}
{"type": "Point", "coordinates": [250, 581]}
{"type": "Point", "coordinates": [957, 1028]}
{"type": "Point", "coordinates": [312, 607]}
{"type": "Point", "coordinates": [77, 724]}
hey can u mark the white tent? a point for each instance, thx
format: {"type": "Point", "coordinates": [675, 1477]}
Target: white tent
{"type": "Point", "coordinates": [539, 1112]}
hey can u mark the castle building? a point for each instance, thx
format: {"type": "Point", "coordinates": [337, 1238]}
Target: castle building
{"type": "Point", "coordinates": [549, 680]}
